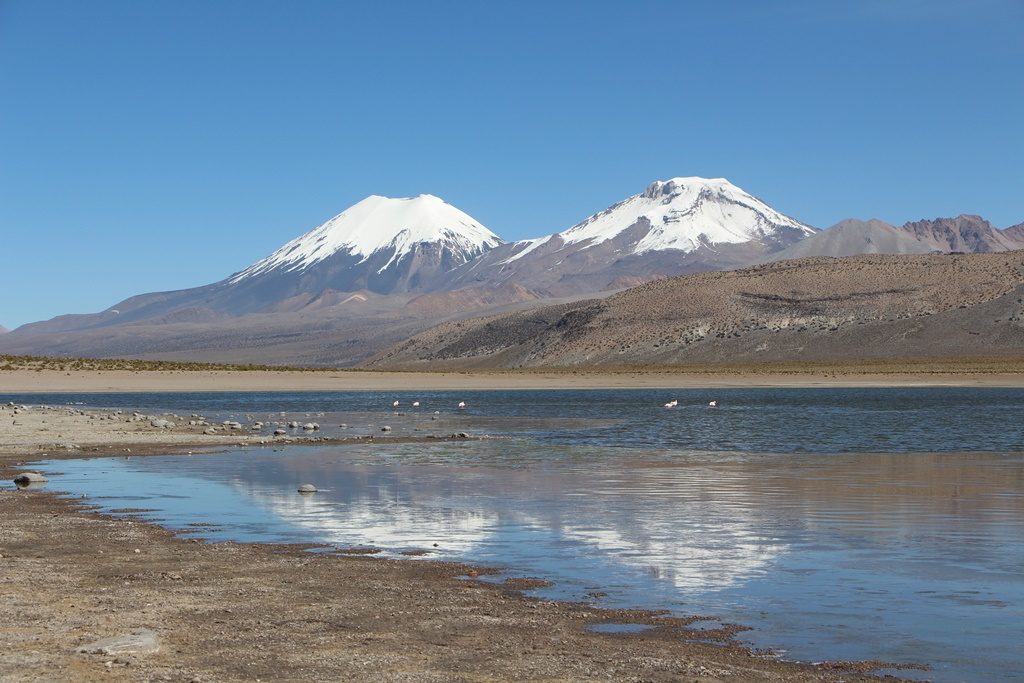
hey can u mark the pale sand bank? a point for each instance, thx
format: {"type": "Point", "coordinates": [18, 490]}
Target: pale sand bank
{"type": "Point", "coordinates": [30, 381]}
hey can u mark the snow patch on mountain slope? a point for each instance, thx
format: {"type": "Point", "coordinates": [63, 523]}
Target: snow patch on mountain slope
{"type": "Point", "coordinates": [526, 246]}
{"type": "Point", "coordinates": [381, 224]}
{"type": "Point", "coordinates": [683, 214]}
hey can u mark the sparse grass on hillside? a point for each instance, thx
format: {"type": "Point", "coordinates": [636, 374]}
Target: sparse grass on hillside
{"type": "Point", "coordinates": [896, 366]}
{"type": "Point", "coordinates": [40, 363]}
{"type": "Point", "coordinates": [900, 311]}
{"type": "Point", "coordinates": [917, 366]}
{"type": "Point", "coordinates": [868, 366]}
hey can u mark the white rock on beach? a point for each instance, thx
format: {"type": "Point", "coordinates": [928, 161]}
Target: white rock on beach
{"type": "Point", "coordinates": [141, 641]}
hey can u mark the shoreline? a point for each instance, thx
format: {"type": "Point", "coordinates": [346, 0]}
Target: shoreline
{"type": "Point", "coordinates": [242, 611]}
{"type": "Point", "coordinates": [184, 381]}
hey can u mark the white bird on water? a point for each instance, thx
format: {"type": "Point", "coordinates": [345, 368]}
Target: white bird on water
{"type": "Point", "coordinates": [672, 404]}
{"type": "Point", "coordinates": [712, 403]}
{"type": "Point", "coordinates": [395, 404]}
{"type": "Point", "coordinates": [462, 404]}
{"type": "Point", "coordinates": [415, 404]}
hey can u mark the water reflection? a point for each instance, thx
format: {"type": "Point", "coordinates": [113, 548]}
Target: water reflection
{"type": "Point", "coordinates": [700, 542]}
{"type": "Point", "coordinates": [364, 521]}
{"type": "Point", "coordinates": [901, 557]}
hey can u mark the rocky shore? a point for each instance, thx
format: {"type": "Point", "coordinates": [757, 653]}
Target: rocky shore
{"type": "Point", "coordinates": [91, 598]}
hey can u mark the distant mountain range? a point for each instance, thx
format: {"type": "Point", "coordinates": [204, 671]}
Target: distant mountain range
{"type": "Point", "coordinates": [385, 269]}
{"type": "Point", "coordinates": [852, 237]}
{"type": "Point", "coordinates": [963, 234]}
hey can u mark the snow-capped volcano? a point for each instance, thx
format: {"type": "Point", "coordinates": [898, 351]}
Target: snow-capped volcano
{"type": "Point", "coordinates": [379, 246]}
{"type": "Point", "coordinates": [384, 266]}
{"type": "Point", "coordinates": [382, 225]}
{"type": "Point", "coordinates": [681, 214]}
{"type": "Point", "coordinates": [684, 213]}
{"type": "Point", "coordinates": [673, 227]}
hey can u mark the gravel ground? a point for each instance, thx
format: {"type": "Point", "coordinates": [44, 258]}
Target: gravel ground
{"type": "Point", "coordinates": [247, 612]}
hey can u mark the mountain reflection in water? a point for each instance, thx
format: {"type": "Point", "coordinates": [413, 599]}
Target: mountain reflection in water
{"type": "Point", "coordinates": [840, 524]}
{"type": "Point", "coordinates": [902, 557]}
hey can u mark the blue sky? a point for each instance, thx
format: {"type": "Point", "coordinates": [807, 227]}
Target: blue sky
{"type": "Point", "coordinates": [160, 145]}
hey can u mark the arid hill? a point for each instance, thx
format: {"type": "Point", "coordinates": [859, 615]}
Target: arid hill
{"type": "Point", "coordinates": [966, 233]}
{"type": "Point", "coordinates": [852, 238]}
{"type": "Point", "coordinates": [861, 307]}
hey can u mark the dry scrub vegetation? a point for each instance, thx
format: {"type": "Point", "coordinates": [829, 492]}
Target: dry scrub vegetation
{"type": "Point", "coordinates": [41, 363]}
{"type": "Point", "coordinates": [817, 309]}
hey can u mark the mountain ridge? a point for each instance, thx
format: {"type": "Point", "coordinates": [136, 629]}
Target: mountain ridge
{"type": "Point", "coordinates": [675, 226]}
{"type": "Point", "coordinates": [376, 224]}
{"type": "Point", "coordinates": [821, 308]}
{"type": "Point", "coordinates": [852, 237]}
{"type": "Point", "coordinates": [1015, 232]}
{"type": "Point", "coordinates": [963, 233]}
{"type": "Point", "coordinates": [388, 268]}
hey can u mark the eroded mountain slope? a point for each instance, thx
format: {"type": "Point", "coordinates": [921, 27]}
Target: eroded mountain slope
{"type": "Point", "coordinates": [818, 308]}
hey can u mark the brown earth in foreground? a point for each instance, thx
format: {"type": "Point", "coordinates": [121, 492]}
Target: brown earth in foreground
{"type": "Point", "coordinates": [246, 612]}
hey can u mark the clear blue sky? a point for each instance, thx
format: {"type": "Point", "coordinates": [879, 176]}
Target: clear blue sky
{"type": "Point", "coordinates": [158, 145]}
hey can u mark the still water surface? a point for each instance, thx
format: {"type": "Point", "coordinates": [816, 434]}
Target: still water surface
{"type": "Point", "coordinates": [839, 524]}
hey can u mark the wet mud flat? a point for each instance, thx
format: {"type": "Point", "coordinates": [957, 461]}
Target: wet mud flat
{"type": "Point", "coordinates": [895, 557]}
{"type": "Point", "coordinates": [176, 608]}
{"type": "Point", "coordinates": [242, 612]}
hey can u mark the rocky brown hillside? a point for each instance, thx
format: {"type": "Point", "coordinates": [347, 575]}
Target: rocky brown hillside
{"type": "Point", "coordinates": [853, 237]}
{"type": "Point", "coordinates": [1015, 232]}
{"type": "Point", "coordinates": [861, 307]}
{"type": "Point", "coordinates": [966, 233]}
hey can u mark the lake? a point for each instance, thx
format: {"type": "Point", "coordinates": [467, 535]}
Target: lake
{"type": "Point", "coordinates": [879, 524]}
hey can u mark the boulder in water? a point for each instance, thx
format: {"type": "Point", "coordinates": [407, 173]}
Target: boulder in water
{"type": "Point", "coordinates": [30, 478]}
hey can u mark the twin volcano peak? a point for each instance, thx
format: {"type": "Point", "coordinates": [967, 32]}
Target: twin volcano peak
{"type": "Point", "coordinates": [410, 243]}
{"type": "Point", "coordinates": [395, 226]}
{"type": "Point", "coordinates": [683, 214]}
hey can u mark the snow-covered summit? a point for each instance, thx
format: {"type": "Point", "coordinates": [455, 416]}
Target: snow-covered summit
{"type": "Point", "coordinates": [682, 214]}
{"type": "Point", "coordinates": [394, 226]}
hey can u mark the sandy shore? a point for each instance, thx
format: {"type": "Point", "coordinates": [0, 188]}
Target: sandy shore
{"type": "Point", "coordinates": [31, 381]}
{"type": "Point", "coordinates": [247, 612]}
